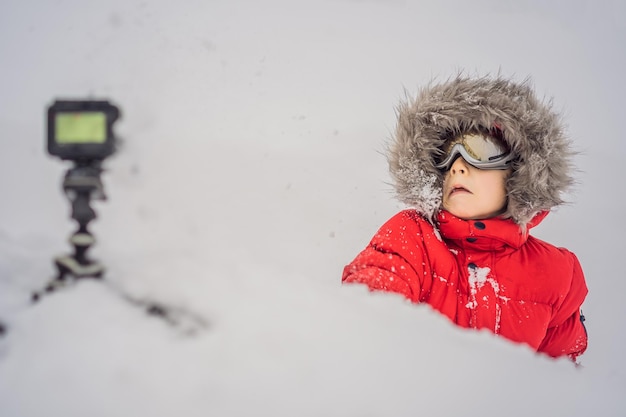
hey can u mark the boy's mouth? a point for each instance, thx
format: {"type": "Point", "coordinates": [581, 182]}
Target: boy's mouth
{"type": "Point", "coordinates": [458, 189]}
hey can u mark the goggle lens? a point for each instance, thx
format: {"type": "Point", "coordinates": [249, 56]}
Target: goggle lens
{"type": "Point", "coordinates": [481, 151]}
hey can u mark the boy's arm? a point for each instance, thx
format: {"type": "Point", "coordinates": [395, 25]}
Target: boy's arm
{"type": "Point", "coordinates": [566, 334]}
{"type": "Point", "coordinates": [393, 260]}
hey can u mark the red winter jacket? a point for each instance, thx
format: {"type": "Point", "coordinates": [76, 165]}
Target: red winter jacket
{"type": "Point", "coordinates": [482, 274]}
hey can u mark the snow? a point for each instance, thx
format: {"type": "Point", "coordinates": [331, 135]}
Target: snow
{"type": "Point", "coordinates": [476, 279]}
{"type": "Point", "coordinates": [251, 172]}
{"type": "Point", "coordinates": [425, 193]}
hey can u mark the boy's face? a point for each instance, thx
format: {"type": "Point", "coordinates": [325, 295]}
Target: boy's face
{"type": "Point", "coordinates": [472, 193]}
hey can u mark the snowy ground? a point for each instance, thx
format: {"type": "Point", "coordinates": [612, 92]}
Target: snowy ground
{"type": "Point", "coordinates": [250, 174]}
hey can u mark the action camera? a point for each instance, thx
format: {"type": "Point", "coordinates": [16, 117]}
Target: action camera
{"type": "Point", "coordinates": [81, 130]}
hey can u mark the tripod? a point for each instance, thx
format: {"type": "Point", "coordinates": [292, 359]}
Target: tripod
{"type": "Point", "coordinates": [81, 184]}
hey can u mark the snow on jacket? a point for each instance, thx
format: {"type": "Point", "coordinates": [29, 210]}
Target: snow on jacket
{"type": "Point", "coordinates": [481, 274]}
{"type": "Point", "coordinates": [488, 273]}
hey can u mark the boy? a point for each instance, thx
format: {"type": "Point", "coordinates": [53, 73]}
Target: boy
{"type": "Point", "coordinates": [481, 161]}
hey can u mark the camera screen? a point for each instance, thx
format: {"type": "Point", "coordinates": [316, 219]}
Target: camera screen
{"type": "Point", "coordinates": [80, 127]}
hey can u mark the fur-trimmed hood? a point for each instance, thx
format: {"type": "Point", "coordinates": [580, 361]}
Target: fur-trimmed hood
{"type": "Point", "coordinates": [535, 133]}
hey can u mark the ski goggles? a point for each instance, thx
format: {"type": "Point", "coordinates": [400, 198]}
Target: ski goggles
{"type": "Point", "coordinates": [480, 151]}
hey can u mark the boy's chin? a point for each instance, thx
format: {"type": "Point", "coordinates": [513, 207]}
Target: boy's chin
{"type": "Point", "coordinates": [469, 214]}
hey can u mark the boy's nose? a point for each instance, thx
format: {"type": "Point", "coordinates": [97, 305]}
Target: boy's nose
{"type": "Point", "coordinates": [459, 166]}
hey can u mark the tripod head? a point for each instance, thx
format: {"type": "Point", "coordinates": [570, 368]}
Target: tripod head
{"type": "Point", "coordinates": [81, 184]}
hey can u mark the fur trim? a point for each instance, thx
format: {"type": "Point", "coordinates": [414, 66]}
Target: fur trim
{"type": "Point", "coordinates": [534, 132]}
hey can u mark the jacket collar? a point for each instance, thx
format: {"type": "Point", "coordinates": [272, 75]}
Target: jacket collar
{"type": "Point", "coordinates": [487, 234]}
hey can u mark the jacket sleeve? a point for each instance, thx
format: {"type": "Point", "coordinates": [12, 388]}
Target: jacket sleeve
{"type": "Point", "coordinates": [566, 334]}
{"type": "Point", "coordinates": [394, 260]}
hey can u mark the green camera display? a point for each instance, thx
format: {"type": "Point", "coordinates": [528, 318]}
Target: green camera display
{"type": "Point", "coordinates": [81, 130]}
{"type": "Point", "coordinates": [81, 127]}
